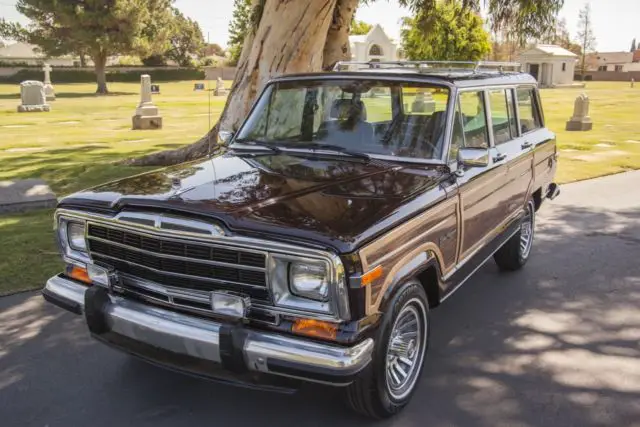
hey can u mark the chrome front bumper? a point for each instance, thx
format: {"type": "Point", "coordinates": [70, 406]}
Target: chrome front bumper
{"type": "Point", "coordinates": [210, 341]}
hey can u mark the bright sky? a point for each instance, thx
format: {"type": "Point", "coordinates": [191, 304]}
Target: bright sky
{"type": "Point", "coordinates": [616, 22]}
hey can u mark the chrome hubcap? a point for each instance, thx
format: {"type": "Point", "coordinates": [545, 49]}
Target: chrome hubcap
{"type": "Point", "coordinates": [406, 349]}
{"type": "Point", "coordinates": [526, 233]}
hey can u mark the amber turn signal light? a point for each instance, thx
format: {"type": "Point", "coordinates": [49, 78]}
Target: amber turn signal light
{"type": "Point", "coordinates": [78, 273]}
{"type": "Point", "coordinates": [315, 328]}
{"type": "Point", "coordinates": [370, 276]}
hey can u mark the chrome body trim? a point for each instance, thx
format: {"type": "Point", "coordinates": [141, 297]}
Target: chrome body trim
{"type": "Point", "coordinates": [200, 338]}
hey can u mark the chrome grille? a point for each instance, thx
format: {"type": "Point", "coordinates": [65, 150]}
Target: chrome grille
{"type": "Point", "coordinates": [179, 264]}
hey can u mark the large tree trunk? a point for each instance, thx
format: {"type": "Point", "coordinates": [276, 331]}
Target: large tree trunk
{"type": "Point", "coordinates": [337, 47]}
{"type": "Point", "coordinates": [100, 61]}
{"type": "Point", "coordinates": [290, 38]}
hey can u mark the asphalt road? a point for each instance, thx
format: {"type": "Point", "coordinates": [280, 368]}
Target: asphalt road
{"type": "Point", "coordinates": [556, 344]}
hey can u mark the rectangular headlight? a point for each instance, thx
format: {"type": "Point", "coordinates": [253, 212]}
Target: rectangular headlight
{"type": "Point", "coordinates": [309, 280]}
{"type": "Point", "coordinates": [71, 235]}
{"type": "Point", "coordinates": [75, 236]}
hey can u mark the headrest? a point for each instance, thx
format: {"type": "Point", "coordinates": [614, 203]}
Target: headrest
{"type": "Point", "coordinates": [344, 109]}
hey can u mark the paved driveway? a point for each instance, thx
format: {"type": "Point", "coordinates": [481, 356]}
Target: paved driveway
{"type": "Point", "coordinates": [554, 345]}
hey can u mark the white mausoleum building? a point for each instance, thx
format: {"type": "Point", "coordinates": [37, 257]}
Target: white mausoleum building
{"type": "Point", "coordinates": [374, 46]}
{"type": "Point", "coordinates": [551, 65]}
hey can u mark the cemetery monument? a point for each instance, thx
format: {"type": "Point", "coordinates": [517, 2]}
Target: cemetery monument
{"type": "Point", "coordinates": [580, 121]}
{"type": "Point", "coordinates": [33, 97]}
{"type": "Point", "coordinates": [220, 90]}
{"type": "Point", "coordinates": [147, 114]}
{"type": "Point", "coordinates": [48, 87]}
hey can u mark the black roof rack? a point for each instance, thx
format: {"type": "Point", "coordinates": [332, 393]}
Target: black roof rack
{"type": "Point", "coordinates": [431, 66]}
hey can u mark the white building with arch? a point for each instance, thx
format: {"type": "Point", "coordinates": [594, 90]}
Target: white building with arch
{"type": "Point", "coordinates": [374, 46]}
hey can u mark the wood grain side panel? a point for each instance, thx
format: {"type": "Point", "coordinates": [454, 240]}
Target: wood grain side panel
{"type": "Point", "coordinates": [433, 234]}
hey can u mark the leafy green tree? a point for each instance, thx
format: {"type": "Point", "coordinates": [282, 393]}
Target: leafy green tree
{"type": "Point", "coordinates": [239, 27]}
{"type": "Point", "coordinates": [633, 45]}
{"type": "Point", "coordinates": [97, 28]}
{"type": "Point", "coordinates": [449, 33]}
{"type": "Point", "coordinates": [186, 39]}
{"type": "Point", "coordinates": [360, 28]}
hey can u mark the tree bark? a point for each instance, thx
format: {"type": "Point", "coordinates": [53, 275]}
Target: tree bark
{"type": "Point", "coordinates": [290, 38]}
{"type": "Point", "coordinates": [100, 61]}
{"type": "Point", "coordinates": [337, 47]}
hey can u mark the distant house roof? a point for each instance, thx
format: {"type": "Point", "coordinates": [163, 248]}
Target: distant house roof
{"type": "Point", "coordinates": [549, 49]}
{"type": "Point", "coordinates": [613, 57]}
{"type": "Point", "coordinates": [19, 50]}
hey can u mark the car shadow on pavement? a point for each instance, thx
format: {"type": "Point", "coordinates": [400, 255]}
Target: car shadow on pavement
{"type": "Point", "coordinates": [555, 344]}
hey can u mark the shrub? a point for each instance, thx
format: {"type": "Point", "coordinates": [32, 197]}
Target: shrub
{"type": "Point", "coordinates": [70, 75]}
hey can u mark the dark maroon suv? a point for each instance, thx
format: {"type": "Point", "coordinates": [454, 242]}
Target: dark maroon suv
{"type": "Point", "coordinates": [313, 243]}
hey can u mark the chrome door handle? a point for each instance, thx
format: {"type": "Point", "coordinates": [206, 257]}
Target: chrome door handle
{"type": "Point", "coordinates": [526, 145]}
{"type": "Point", "coordinates": [499, 157]}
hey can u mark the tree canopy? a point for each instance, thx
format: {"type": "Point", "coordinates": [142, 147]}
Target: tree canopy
{"type": "Point", "coordinates": [449, 33]}
{"type": "Point", "coordinates": [185, 40]}
{"type": "Point", "coordinates": [239, 27]}
{"type": "Point", "coordinates": [633, 45]}
{"type": "Point", "coordinates": [360, 28]}
{"type": "Point", "coordinates": [585, 35]}
{"type": "Point", "coordinates": [97, 28]}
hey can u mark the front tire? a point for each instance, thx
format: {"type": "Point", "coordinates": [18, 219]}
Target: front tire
{"type": "Point", "coordinates": [388, 383]}
{"type": "Point", "coordinates": [513, 255]}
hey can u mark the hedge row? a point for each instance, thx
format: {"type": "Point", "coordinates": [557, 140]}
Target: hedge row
{"type": "Point", "coordinates": [84, 76]}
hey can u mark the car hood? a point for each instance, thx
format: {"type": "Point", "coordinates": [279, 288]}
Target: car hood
{"type": "Point", "coordinates": [332, 202]}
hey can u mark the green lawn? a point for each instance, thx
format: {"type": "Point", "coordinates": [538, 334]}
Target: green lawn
{"type": "Point", "coordinates": [75, 146]}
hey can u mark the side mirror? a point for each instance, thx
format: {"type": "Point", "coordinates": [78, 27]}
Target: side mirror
{"type": "Point", "coordinates": [224, 137]}
{"type": "Point", "coordinates": [473, 157]}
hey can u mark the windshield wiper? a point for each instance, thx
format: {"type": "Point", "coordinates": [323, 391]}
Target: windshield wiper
{"type": "Point", "coordinates": [330, 147]}
{"type": "Point", "coordinates": [255, 143]}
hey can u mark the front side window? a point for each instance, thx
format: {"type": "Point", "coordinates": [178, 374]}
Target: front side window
{"type": "Point", "coordinates": [373, 117]}
{"type": "Point", "coordinates": [529, 114]}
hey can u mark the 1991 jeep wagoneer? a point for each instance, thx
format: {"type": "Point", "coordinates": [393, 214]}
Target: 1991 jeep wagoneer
{"type": "Point", "coordinates": [313, 243]}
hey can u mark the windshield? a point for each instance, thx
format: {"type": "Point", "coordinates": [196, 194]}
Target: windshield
{"type": "Point", "coordinates": [366, 116]}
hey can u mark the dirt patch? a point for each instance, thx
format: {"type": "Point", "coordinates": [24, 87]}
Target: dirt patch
{"type": "Point", "coordinates": [601, 155]}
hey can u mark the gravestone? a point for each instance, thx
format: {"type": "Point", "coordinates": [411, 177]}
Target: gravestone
{"type": "Point", "coordinates": [48, 87]}
{"type": "Point", "coordinates": [580, 121]}
{"type": "Point", "coordinates": [155, 89]}
{"type": "Point", "coordinates": [424, 103]}
{"type": "Point", "coordinates": [147, 115]}
{"type": "Point", "coordinates": [220, 90]}
{"type": "Point", "coordinates": [33, 97]}
{"type": "Point", "coordinates": [25, 194]}
{"type": "Point", "coordinates": [633, 81]}
{"type": "Point", "coordinates": [198, 86]}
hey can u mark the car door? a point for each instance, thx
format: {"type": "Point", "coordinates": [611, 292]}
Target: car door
{"type": "Point", "coordinates": [512, 149]}
{"type": "Point", "coordinates": [479, 187]}
{"type": "Point", "coordinates": [534, 133]}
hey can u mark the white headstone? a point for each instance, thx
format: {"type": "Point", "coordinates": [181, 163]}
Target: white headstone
{"type": "Point", "coordinates": [33, 97]}
{"type": "Point", "coordinates": [48, 87]}
{"type": "Point", "coordinates": [147, 115]}
{"type": "Point", "coordinates": [580, 120]}
{"type": "Point", "coordinates": [220, 90]}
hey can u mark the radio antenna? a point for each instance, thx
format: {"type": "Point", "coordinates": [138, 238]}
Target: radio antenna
{"type": "Point", "coordinates": [209, 92]}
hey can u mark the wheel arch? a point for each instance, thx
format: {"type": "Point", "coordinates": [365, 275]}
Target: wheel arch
{"type": "Point", "coordinates": [423, 269]}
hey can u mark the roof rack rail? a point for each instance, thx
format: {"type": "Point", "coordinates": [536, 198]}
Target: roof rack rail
{"type": "Point", "coordinates": [472, 66]}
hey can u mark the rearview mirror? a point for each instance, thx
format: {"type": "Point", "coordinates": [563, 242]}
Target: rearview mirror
{"type": "Point", "coordinates": [473, 157]}
{"type": "Point", "coordinates": [224, 137]}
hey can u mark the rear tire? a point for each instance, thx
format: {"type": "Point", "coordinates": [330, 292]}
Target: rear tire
{"type": "Point", "coordinates": [388, 383]}
{"type": "Point", "coordinates": [513, 255]}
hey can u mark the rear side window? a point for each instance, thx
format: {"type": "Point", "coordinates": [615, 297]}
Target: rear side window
{"type": "Point", "coordinates": [528, 108]}
{"type": "Point", "coordinates": [474, 120]}
{"type": "Point", "coordinates": [500, 116]}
